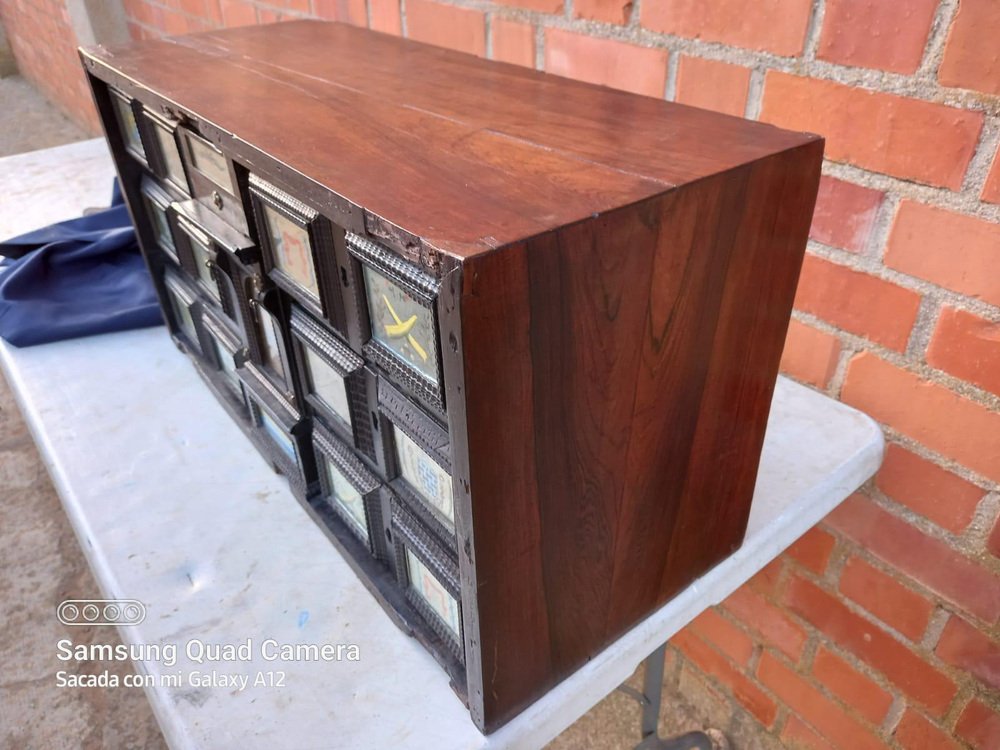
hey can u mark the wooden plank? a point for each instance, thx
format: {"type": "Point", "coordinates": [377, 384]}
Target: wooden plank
{"type": "Point", "coordinates": [461, 189]}
{"type": "Point", "coordinates": [668, 142]}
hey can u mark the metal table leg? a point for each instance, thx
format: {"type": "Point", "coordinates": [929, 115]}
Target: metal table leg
{"type": "Point", "coordinates": [650, 699]}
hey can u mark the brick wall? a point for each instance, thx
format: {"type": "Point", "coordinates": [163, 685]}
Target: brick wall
{"type": "Point", "coordinates": [44, 46]}
{"type": "Point", "coordinates": [879, 628]}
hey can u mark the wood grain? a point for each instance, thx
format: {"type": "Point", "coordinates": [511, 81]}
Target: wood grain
{"type": "Point", "coordinates": [668, 142]}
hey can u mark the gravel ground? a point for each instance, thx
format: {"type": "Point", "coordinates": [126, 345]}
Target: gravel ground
{"type": "Point", "coordinates": [28, 122]}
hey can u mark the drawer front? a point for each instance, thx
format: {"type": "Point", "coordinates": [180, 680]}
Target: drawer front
{"type": "Point", "coordinates": [214, 178]}
{"type": "Point", "coordinates": [428, 574]}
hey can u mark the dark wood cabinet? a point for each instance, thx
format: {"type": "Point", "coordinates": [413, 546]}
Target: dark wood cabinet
{"type": "Point", "coordinates": [512, 338]}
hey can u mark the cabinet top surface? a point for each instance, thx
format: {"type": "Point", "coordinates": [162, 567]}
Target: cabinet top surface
{"type": "Point", "coordinates": [467, 154]}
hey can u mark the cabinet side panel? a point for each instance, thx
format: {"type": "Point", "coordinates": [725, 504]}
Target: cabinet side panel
{"type": "Point", "coordinates": [618, 380]}
{"type": "Point", "coordinates": [552, 332]}
{"type": "Point", "coordinates": [588, 300]}
{"type": "Point", "coordinates": [693, 248]}
{"type": "Point", "coordinates": [753, 320]}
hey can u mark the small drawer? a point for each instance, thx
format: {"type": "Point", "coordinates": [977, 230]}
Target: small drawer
{"type": "Point", "coordinates": [225, 354]}
{"type": "Point", "coordinates": [199, 260]}
{"type": "Point", "coordinates": [281, 434]}
{"type": "Point", "coordinates": [298, 249]}
{"type": "Point", "coordinates": [126, 117]}
{"type": "Point", "coordinates": [210, 251]}
{"type": "Point", "coordinates": [350, 489]}
{"type": "Point", "coordinates": [157, 205]}
{"type": "Point", "coordinates": [213, 177]}
{"type": "Point", "coordinates": [185, 311]}
{"type": "Point", "coordinates": [398, 304]}
{"type": "Point", "coordinates": [337, 387]}
{"type": "Point", "coordinates": [268, 346]}
{"type": "Point", "coordinates": [428, 574]}
{"type": "Point", "coordinates": [418, 461]}
{"type": "Point", "coordinates": [163, 151]}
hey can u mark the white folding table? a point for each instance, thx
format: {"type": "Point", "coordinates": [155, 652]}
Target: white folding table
{"type": "Point", "coordinates": [173, 507]}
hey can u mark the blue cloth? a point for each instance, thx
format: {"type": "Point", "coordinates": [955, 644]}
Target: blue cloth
{"type": "Point", "coordinates": [76, 278]}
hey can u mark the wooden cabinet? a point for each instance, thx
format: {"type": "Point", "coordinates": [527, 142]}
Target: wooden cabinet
{"type": "Point", "coordinates": [511, 337]}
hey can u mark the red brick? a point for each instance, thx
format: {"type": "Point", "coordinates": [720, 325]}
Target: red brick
{"type": "Point", "coordinates": [813, 550]}
{"type": "Point", "coordinates": [991, 189]}
{"type": "Point", "coordinates": [855, 689]}
{"type": "Point", "coordinates": [933, 492]}
{"type": "Point", "coordinates": [777, 26]}
{"type": "Point", "coordinates": [770, 623]}
{"type": "Point", "coordinates": [711, 84]}
{"type": "Point", "coordinates": [905, 669]}
{"type": "Point", "coordinates": [513, 42]}
{"type": "Point", "coordinates": [972, 54]}
{"type": "Point", "coordinates": [609, 11]}
{"type": "Point", "coordinates": [968, 347]}
{"type": "Point", "coordinates": [135, 31]}
{"type": "Point", "coordinates": [877, 131]}
{"type": "Point", "coordinates": [798, 734]}
{"type": "Point", "coordinates": [269, 16]}
{"type": "Point", "coordinates": [940, 419]}
{"type": "Point", "coordinates": [213, 11]}
{"type": "Point", "coordinates": [302, 6]}
{"type": "Point", "coordinates": [606, 62]}
{"type": "Point", "coordinates": [768, 579]}
{"type": "Point", "coordinates": [868, 306]}
{"type": "Point", "coordinates": [237, 13]}
{"type": "Point", "coordinates": [923, 244]}
{"type": "Point", "coordinates": [924, 558]}
{"type": "Point", "coordinates": [446, 26]}
{"type": "Point", "coordinates": [915, 732]}
{"type": "Point", "coordinates": [174, 23]}
{"type": "Point", "coordinates": [349, 11]}
{"type": "Point", "coordinates": [195, 25]}
{"type": "Point", "coordinates": [151, 15]}
{"type": "Point", "coordinates": [744, 690]}
{"type": "Point", "coordinates": [993, 543]}
{"type": "Point", "coordinates": [883, 34]}
{"type": "Point", "coordinates": [203, 9]}
{"type": "Point", "coordinates": [809, 355]}
{"type": "Point", "coordinates": [845, 214]}
{"type": "Point", "coordinates": [968, 648]}
{"type": "Point", "coordinates": [979, 726]}
{"type": "Point", "coordinates": [134, 10]}
{"type": "Point", "coordinates": [887, 599]}
{"type": "Point", "coordinates": [385, 16]}
{"type": "Point", "coordinates": [725, 636]}
{"type": "Point", "coordinates": [542, 6]}
{"type": "Point", "coordinates": [839, 728]}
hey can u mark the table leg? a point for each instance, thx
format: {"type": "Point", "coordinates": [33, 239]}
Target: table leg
{"type": "Point", "coordinates": [650, 699]}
